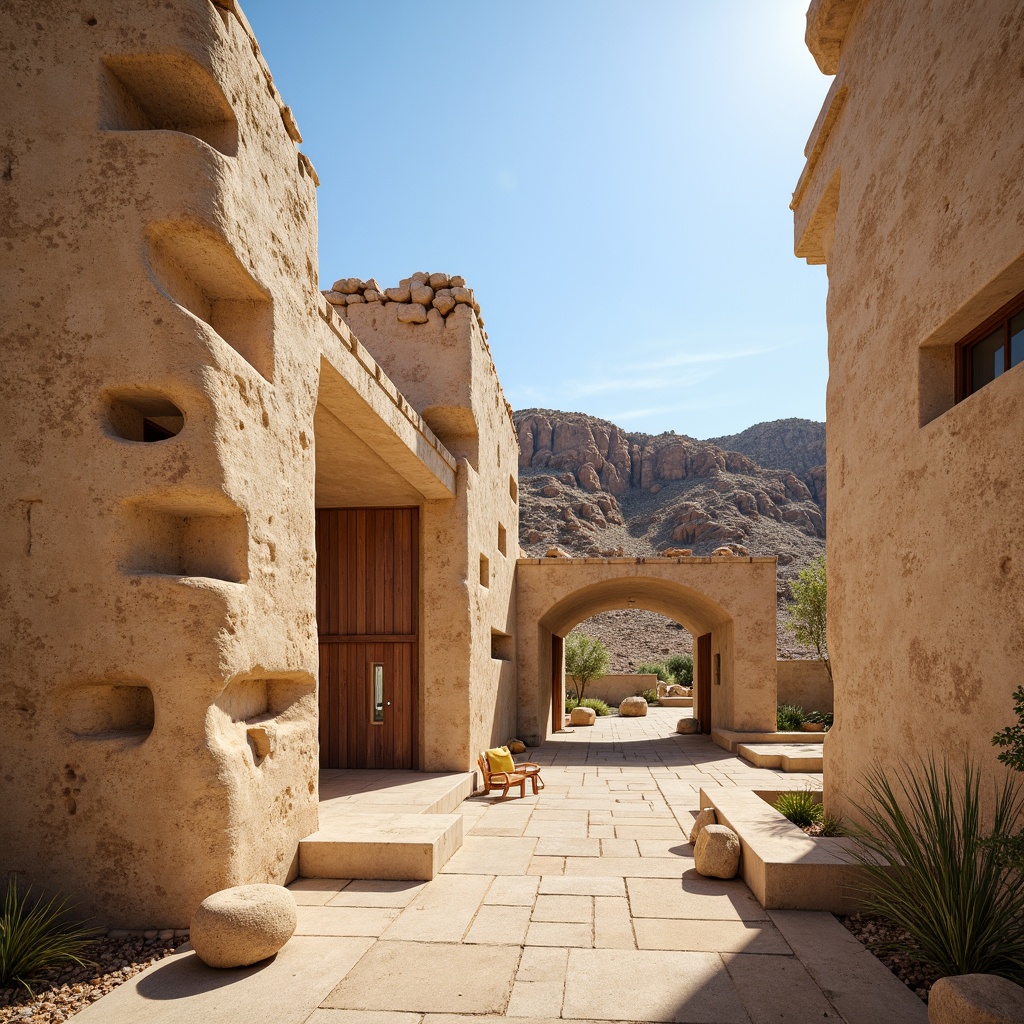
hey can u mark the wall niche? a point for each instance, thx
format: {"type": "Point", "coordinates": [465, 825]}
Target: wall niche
{"type": "Point", "coordinates": [140, 415]}
{"type": "Point", "coordinates": [119, 709]}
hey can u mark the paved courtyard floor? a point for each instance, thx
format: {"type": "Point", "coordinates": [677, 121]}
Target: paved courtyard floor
{"type": "Point", "coordinates": [580, 903]}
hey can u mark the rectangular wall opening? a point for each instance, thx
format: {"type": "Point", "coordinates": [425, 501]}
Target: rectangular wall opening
{"type": "Point", "coordinates": [501, 646]}
{"type": "Point", "coordinates": [502, 540]}
{"type": "Point", "coordinates": [485, 571]}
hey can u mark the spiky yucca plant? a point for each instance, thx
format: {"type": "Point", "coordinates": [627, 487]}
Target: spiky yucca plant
{"type": "Point", "coordinates": [801, 808]}
{"type": "Point", "coordinates": [36, 934]}
{"type": "Point", "coordinates": [934, 872]}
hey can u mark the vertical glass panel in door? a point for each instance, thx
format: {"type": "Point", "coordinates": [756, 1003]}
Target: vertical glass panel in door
{"type": "Point", "coordinates": [1017, 339]}
{"type": "Point", "coordinates": [378, 693]}
{"type": "Point", "coordinates": [987, 360]}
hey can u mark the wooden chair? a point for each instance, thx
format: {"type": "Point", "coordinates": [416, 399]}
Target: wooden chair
{"type": "Point", "coordinates": [500, 780]}
{"type": "Point", "coordinates": [495, 780]}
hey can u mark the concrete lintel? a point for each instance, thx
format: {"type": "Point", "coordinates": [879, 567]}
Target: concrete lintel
{"type": "Point", "coordinates": [356, 391]}
{"type": "Point", "coordinates": [650, 560]}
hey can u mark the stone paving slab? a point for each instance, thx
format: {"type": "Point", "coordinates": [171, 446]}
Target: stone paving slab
{"type": "Point", "coordinates": [647, 985]}
{"type": "Point", "coordinates": [429, 978]}
{"type": "Point", "coordinates": [714, 936]}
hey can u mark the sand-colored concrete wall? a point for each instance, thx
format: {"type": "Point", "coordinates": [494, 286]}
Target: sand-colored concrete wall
{"type": "Point", "coordinates": [912, 197]}
{"type": "Point", "coordinates": [469, 547]}
{"type": "Point", "coordinates": [804, 683]}
{"type": "Point", "coordinates": [158, 607]}
{"type": "Point", "coordinates": [732, 598]}
{"type": "Point", "coordinates": [614, 688]}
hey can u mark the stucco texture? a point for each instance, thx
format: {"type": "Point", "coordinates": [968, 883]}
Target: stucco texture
{"type": "Point", "coordinates": [912, 197]}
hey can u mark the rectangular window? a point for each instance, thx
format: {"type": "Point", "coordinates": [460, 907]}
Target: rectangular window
{"type": "Point", "coordinates": [994, 347]}
{"type": "Point", "coordinates": [377, 674]}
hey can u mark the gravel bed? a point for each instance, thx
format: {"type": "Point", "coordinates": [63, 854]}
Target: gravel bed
{"type": "Point", "coordinates": [875, 931]}
{"type": "Point", "coordinates": [60, 992]}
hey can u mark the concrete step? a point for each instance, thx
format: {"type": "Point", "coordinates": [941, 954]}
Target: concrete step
{"type": "Point", "coordinates": [381, 845]}
{"type": "Point", "coordinates": [789, 757]}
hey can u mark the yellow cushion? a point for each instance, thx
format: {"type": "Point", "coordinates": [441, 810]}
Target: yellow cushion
{"type": "Point", "coordinates": [500, 760]}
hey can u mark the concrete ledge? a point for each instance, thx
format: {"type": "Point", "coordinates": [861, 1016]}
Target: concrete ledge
{"type": "Point", "coordinates": [788, 757]}
{"type": "Point", "coordinates": [407, 846]}
{"type": "Point", "coordinates": [730, 739]}
{"type": "Point", "coordinates": [676, 702]}
{"type": "Point", "coordinates": [785, 868]}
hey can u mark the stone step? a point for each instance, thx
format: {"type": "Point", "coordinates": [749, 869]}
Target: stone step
{"type": "Point", "coordinates": [381, 845]}
{"type": "Point", "coordinates": [788, 757]}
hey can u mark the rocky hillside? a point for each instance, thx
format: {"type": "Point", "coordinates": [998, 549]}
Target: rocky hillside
{"type": "Point", "coordinates": [592, 488]}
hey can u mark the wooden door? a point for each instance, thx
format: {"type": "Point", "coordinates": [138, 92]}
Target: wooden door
{"type": "Point", "coordinates": [702, 670]}
{"type": "Point", "coordinates": [367, 616]}
{"type": "Point", "coordinates": [557, 691]}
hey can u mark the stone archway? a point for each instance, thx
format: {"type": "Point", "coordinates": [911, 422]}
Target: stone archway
{"type": "Point", "coordinates": [729, 599]}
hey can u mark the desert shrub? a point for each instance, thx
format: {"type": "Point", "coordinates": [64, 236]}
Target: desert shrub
{"type": "Point", "coordinates": [680, 668]}
{"type": "Point", "coordinates": [789, 717]}
{"type": "Point", "coordinates": [932, 873]}
{"type": "Point", "coordinates": [586, 658]}
{"type": "Point", "coordinates": [801, 808]}
{"type": "Point", "coordinates": [831, 825]}
{"type": "Point", "coordinates": [1010, 848]}
{"type": "Point", "coordinates": [599, 707]}
{"type": "Point", "coordinates": [654, 668]}
{"type": "Point", "coordinates": [36, 934]}
{"type": "Point", "coordinates": [651, 696]}
{"type": "Point", "coordinates": [824, 718]}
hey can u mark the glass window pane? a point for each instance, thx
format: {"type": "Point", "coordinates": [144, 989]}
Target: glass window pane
{"type": "Point", "coordinates": [1017, 339]}
{"type": "Point", "coordinates": [987, 359]}
{"type": "Point", "coordinates": [378, 693]}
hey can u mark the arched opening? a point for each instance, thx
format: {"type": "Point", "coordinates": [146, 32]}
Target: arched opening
{"type": "Point", "coordinates": [699, 615]}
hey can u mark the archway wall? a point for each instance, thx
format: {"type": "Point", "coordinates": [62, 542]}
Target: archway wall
{"type": "Point", "coordinates": [732, 598]}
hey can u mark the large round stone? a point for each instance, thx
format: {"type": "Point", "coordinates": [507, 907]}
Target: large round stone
{"type": "Point", "coordinates": [633, 707]}
{"type": "Point", "coordinates": [241, 925]}
{"type": "Point", "coordinates": [716, 854]}
{"type": "Point", "coordinates": [688, 725]}
{"type": "Point", "coordinates": [583, 716]}
{"type": "Point", "coordinates": [975, 999]}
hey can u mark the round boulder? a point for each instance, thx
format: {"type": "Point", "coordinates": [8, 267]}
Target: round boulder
{"type": "Point", "coordinates": [687, 726]}
{"type": "Point", "coordinates": [716, 854]}
{"type": "Point", "coordinates": [583, 716]}
{"type": "Point", "coordinates": [633, 707]}
{"type": "Point", "coordinates": [975, 999]}
{"type": "Point", "coordinates": [705, 818]}
{"type": "Point", "coordinates": [516, 747]}
{"type": "Point", "coordinates": [241, 925]}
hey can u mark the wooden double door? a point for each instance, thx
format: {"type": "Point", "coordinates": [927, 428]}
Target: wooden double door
{"type": "Point", "coordinates": [368, 619]}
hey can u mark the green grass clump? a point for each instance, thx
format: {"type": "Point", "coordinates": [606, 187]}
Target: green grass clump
{"type": "Point", "coordinates": [935, 871]}
{"type": "Point", "coordinates": [651, 696]}
{"type": "Point", "coordinates": [831, 826]}
{"type": "Point", "coordinates": [801, 808]}
{"type": "Point", "coordinates": [599, 707]}
{"type": "Point", "coordinates": [36, 934]}
{"type": "Point", "coordinates": [789, 717]}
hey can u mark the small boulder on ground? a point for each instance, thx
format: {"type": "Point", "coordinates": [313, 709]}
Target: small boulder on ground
{"type": "Point", "coordinates": [242, 925]}
{"type": "Point", "coordinates": [705, 818]}
{"type": "Point", "coordinates": [633, 707]}
{"type": "Point", "coordinates": [582, 716]}
{"type": "Point", "coordinates": [716, 854]}
{"type": "Point", "coordinates": [975, 999]}
{"type": "Point", "coordinates": [688, 726]}
{"type": "Point", "coordinates": [516, 747]}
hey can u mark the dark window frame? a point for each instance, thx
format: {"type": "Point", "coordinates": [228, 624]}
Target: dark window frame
{"type": "Point", "coordinates": [964, 363]}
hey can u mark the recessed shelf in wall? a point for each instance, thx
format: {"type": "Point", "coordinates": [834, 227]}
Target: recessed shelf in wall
{"type": "Point", "coordinates": [196, 268]}
{"type": "Point", "coordinates": [189, 535]}
{"type": "Point", "coordinates": [118, 709]}
{"type": "Point", "coordinates": [166, 91]}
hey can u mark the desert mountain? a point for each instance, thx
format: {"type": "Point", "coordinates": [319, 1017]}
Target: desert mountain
{"type": "Point", "coordinates": [592, 488]}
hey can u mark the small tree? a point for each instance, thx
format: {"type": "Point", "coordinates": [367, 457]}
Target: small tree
{"type": "Point", "coordinates": [809, 610]}
{"type": "Point", "coordinates": [1012, 738]}
{"type": "Point", "coordinates": [586, 658]}
{"type": "Point", "coordinates": [680, 668]}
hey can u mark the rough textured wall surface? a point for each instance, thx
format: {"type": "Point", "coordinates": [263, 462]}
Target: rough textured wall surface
{"type": "Point", "coordinates": [442, 363]}
{"type": "Point", "coordinates": [806, 684]}
{"type": "Point", "coordinates": [912, 196]}
{"type": "Point", "coordinates": [158, 681]}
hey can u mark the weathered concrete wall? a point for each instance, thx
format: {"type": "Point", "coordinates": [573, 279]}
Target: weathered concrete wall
{"type": "Point", "coordinates": [732, 598]}
{"type": "Point", "coordinates": [443, 364]}
{"type": "Point", "coordinates": [805, 683]}
{"type": "Point", "coordinates": [912, 196]}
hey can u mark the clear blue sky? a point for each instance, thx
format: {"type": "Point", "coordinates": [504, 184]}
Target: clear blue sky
{"type": "Point", "coordinates": [612, 178]}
